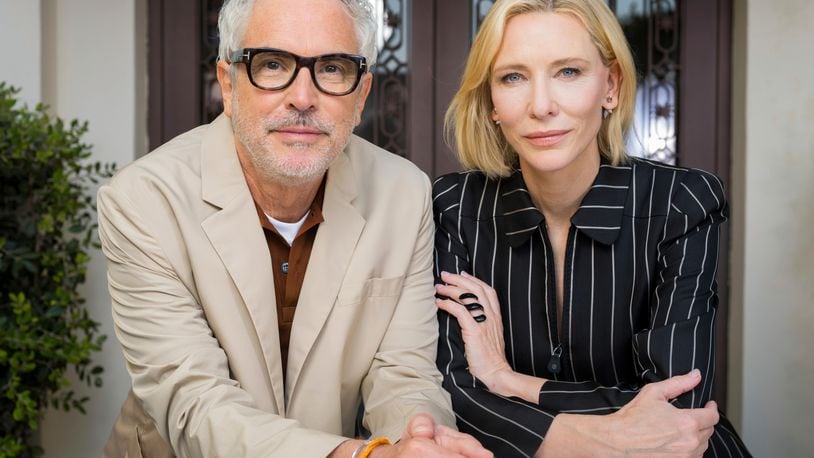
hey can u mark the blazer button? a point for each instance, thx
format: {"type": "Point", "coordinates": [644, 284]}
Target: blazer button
{"type": "Point", "coordinates": [284, 267]}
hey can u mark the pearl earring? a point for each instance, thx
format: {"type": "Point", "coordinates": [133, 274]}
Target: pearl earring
{"type": "Point", "coordinates": [607, 111]}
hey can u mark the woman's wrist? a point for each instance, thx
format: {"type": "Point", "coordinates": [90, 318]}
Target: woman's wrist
{"type": "Point", "coordinates": [577, 436]}
{"type": "Point", "coordinates": [509, 383]}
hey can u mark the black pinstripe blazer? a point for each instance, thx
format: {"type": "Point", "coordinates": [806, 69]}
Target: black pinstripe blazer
{"type": "Point", "coordinates": [639, 296]}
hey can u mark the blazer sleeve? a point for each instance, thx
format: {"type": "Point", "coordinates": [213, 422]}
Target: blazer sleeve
{"type": "Point", "coordinates": [178, 370]}
{"type": "Point", "coordinates": [506, 426]}
{"type": "Point", "coordinates": [684, 301]}
{"type": "Point", "coordinates": [403, 379]}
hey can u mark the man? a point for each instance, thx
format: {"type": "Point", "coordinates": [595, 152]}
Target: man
{"type": "Point", "coordinates": [234, 347]}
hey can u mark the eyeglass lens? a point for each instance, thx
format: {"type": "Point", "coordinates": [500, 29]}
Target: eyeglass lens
{"type": "Point", "coordinates": [275, 69]}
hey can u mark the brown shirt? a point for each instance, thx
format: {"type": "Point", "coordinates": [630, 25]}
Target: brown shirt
{"type": "Point", "coordinates": [288, 264]}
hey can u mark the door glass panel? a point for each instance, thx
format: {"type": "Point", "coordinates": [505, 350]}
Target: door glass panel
{"type": "Point", "coordinates": [651, 27]}
{"type": "Point", "coordinates": [479, 10]}
{"type": "Point", "coordinates": [384, 120]}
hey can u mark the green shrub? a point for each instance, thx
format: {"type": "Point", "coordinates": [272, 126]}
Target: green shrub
{"type": "Point", "coordinates": [47, 228]}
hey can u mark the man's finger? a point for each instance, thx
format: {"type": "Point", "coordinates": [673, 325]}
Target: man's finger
{"type": "Point", "coordinates": [421, 425]}
{"type": "Point", "coordinates": [461, 443]}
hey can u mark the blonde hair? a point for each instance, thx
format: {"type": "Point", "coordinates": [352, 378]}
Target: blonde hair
{"type": "Point", "coordinates": [480, 143]}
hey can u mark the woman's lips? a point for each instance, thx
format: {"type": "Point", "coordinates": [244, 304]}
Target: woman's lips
{"type": "Point", "coordinates": [546, 138]}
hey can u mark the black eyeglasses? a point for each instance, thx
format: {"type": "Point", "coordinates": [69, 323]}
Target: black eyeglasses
{"type": "Point", "coordinates": [274, 69]}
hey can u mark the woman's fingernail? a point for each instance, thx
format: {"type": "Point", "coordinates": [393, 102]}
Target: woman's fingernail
{"type": "Point", "coordinates": [695, 373]}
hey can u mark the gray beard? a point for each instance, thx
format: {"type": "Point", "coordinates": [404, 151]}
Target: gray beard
{"type": "Point", "coordinates": [253, 135]}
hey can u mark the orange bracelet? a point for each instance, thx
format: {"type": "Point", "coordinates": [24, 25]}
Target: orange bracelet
{"type": "Point", "coordinates": [371, 444]}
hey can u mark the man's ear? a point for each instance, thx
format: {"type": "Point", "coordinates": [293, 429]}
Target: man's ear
{"type": "Point", "coordinates": [226, 86]}
{"type": "Point", "coordinates": [366, 83]}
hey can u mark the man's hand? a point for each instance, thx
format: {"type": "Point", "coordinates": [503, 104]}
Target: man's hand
{"type": "Point", "coordinates": [423, 438]}
{"type": "Point", "coordinates": [648, 426]}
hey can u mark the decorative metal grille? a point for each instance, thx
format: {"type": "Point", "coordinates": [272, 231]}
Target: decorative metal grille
{"type": "Point", "coordinates": [652, 27]}
{"type": "Point", "coordinates": [384, 121]}
{"type": "Point", "coordinates": [212, 104]}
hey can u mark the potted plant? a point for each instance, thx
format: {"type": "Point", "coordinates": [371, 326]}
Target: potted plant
{"type": "Point", "coordinates": [47, 228]}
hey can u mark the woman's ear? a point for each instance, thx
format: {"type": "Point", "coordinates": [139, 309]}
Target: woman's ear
{"type": "Point", "coordinates": [614, 82]}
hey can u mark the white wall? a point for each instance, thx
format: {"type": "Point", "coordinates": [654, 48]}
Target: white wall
{"type": "Point", "coordinates": [94, 70]}
{"type": "Point", "coordinates": [84, 58]}
{"type": "Point", "coordinates": [20, 65]}
{"type": "Point", "coordinates": [773, 246]}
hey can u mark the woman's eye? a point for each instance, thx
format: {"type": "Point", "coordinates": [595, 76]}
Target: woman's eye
{"type": "Point", "coordinates": [512, 78]}
{"type": "Point", "coordinates": [570, 72]}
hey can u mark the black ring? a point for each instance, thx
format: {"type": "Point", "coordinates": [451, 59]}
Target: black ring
{"type": "Point", "coordinates": [473, 306]}
{"type": "Point", "coordinates": [480, 318]}
{"type": "Point", "coordinates": [467, 296]}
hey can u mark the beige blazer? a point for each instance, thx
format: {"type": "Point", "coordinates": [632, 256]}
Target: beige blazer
{"type": "Point", "coordinates": [193, 306]}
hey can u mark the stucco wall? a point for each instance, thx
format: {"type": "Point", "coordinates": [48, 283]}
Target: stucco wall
{"type": "Point", "coordinates": [773, 245]}
{"type": "Point", "coordinates": [20, 33]}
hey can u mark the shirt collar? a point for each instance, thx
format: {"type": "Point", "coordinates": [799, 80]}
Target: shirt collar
{"type": "Point", "coordinates": [598, 217]}
{"type": "Point", "coordinates": [314, 217]}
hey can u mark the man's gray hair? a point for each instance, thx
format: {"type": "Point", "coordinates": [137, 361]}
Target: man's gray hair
{"type": "Point", "coordinates": [234, 17]}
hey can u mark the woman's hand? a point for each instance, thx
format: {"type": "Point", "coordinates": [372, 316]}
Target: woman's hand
{"type": "Point", "coordinates": [648, 426]}
{"type": "Point", "coordinates": [475, 305]}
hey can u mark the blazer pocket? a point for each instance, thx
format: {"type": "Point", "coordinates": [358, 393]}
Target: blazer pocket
{"type": "Point", "coordinates": [357, 292]}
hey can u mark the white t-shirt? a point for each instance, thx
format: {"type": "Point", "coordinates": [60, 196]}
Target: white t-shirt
{"type": "Point", "coordinates": [288, 230]}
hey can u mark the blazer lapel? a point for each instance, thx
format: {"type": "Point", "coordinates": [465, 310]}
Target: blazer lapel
{"type": "Point", "coordinates": [330, 257]}
{"type": "Point", "coordinates": [236, 235]}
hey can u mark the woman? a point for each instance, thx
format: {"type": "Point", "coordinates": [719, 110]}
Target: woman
{"type": "Point", "coordinates": [592, 273]}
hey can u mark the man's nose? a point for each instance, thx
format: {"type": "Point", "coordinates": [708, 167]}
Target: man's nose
{"type": "Point", "coordinates": [302, 94]}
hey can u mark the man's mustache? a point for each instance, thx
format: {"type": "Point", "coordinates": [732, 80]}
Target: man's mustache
{"type": "Point", "coordinates": [299, 119]}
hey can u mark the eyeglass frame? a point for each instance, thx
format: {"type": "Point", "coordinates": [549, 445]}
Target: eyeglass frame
{"type": "Point", "coordinates": [245, 56]}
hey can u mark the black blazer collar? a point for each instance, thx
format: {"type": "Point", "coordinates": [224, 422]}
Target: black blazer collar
{"type": "Point", "coordinates": [599, 215]}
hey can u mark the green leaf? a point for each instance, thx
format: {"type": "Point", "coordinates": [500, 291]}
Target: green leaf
{"type": "Point", "coordinates": [54, 312]}
{"type": "Point", "coordinates": [47, 232]}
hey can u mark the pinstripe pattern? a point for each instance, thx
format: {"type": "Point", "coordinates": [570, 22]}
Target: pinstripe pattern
{"type": "Point", "coordinates": [645, 240]}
